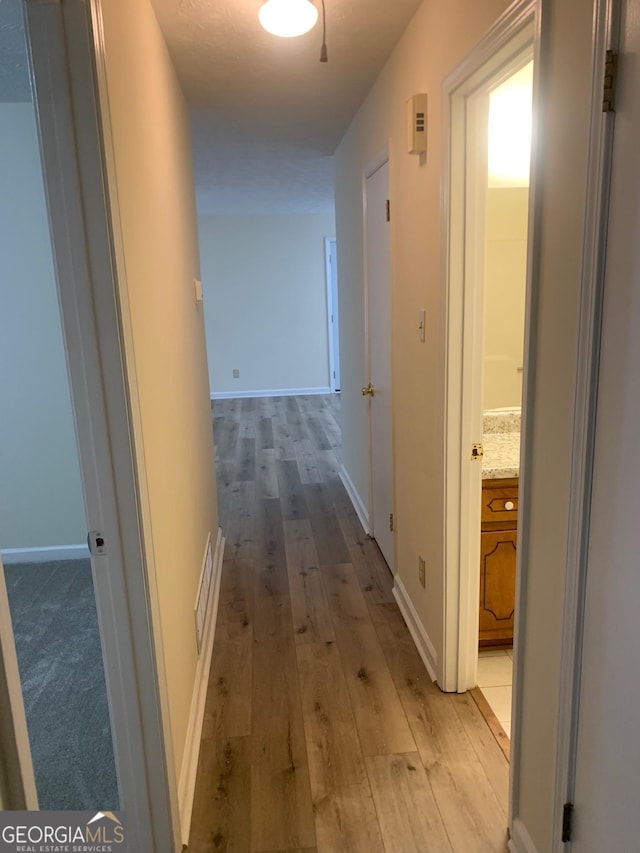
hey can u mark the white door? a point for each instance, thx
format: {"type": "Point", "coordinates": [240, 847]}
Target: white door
{"type": "Point", "coordinates": [379, 344]}
{"type": "Point", "coordinates": [333, 313]}
{"type": "Point", "coordinates": [608, 747]}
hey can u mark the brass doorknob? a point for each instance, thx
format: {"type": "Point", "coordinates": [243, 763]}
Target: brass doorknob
{"type": "Point", "coordinates": [368, 391]}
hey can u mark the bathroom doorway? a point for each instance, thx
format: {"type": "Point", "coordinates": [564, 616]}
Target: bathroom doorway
{"type": "Point", "coordinates": [490, 103]}
{"type": "Point", "coordinates": [506, 224]}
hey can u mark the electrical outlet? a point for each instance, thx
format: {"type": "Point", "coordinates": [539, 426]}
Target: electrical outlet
{"type": "Point", "coordinates": [236, 373]}
{"type": "Point", "coordinates": [422, 571]}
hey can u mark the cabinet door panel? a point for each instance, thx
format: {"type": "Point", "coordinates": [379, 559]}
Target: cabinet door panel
{"type": "Point", "coordinates": [497, 586]}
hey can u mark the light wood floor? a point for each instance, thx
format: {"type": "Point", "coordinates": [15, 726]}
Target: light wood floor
{"type": "Point", "coordinates": [323, 731]}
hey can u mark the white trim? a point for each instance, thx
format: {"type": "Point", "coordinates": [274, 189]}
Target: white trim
{"type": "Point", "coordinates": [527, 418]}
{"type": "Point", "coordinates": [188, 771]}
{"type": "Point", "coordinates": [332, 311]}
{"type": "Point", "coordinates": [17, 781]}
{"type": "Point", "coordinates": [520, 841]}
{"type": "Point", "coordinates": [268, 392]}
{"type": "Point", "coordinates": [425, 647]}
{"type": "Point", "coordinates": [356, 500]}
{"type": "Point", "coordinates": [496, 55]}
{"type": "Point", "coordinates": [11, 556]}
{"type": "Point", "coordinates": [605, 35]}
{"type": "Point", "coordinates": [118, 341]}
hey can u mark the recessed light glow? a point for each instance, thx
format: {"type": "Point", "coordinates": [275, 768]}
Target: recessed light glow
{"type": "Point", "coordinates": [288, 18]}
{"type": "Point", "coordinates": [510, 130]}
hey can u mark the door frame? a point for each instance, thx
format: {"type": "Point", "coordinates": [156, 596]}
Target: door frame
{"type": "Point", "coordinates": [64, 41]}
{"type": "Point", "coordinates": [605, 36]}
{"type": "Point", "coordinates": [332, 311]}
{"type": "Point", "coordinates": [381, 159]}
{"type": "Point", "coordinates": [17, 782]}
{"type": "Point", "coordinates": [499, 52]}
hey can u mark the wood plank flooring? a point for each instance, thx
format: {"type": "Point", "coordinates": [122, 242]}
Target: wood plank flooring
{"type": "Point", "coordinates": [323, 732]}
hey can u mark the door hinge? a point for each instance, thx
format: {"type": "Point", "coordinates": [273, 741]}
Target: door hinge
{"type": "Point", "coordinates": [391, 522]}
{"type": "Point", "coordinates": [477, 451]}
{"type": "Point", "coordinates": [610, 82]}
{"type": "Point", "coordinates": [567, 822]}
{"type": "Point", "coordinates": [388, 210]}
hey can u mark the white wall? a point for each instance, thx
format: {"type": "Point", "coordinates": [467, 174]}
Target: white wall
{"type": "Point", "coordinates": [438, 37]}
{"type": "Point", "coordinates": [41, 500]}
{"type": "Point", "coordinates": [150, 133]}
{"type": "Point", "coordinates": [505, 284]}
{"type": "Point", "coordinates": [265, 300]}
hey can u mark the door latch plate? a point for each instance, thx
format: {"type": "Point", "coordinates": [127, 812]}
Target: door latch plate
{"type": "Point", "coordinates": [97, 543]}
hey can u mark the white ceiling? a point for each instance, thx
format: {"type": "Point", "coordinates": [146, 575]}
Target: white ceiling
{"type": "Point", "coordinates": [267, 115]}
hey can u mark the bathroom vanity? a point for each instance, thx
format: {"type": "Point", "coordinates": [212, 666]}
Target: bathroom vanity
{"type": "Point", "coordinates": [499, 530]}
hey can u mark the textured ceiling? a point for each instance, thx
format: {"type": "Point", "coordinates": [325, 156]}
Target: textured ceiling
{"type": "Point", "coordinates": [14, 74]}
{"type": "Point", "coordinates": [267, 115]}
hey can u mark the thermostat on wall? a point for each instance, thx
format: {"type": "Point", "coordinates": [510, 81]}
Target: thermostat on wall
{"type": "Point", "coordinates": [417, 124]}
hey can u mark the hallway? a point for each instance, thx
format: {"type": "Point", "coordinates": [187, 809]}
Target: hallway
{"type": "Point", "coordinates": [323, 731]}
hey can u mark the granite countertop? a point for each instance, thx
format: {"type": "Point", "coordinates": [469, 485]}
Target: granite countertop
{"type": "Point", "coordinates": [501, 458]}
{"type": "Point", "coordinates": [501, 443]}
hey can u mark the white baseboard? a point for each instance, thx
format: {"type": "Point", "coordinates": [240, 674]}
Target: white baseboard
{"type": "Point", "coordinates": [270, 392]}
{"type": "Point", "coordinates": [424, 645]}
{"type": "Point", "coordinates": [44, 555]}
{"type": "Point", "coordinates": [520, 841]}
{"type": "Point", "coordinates": [356, 500]}
{"type": "Point", "coordinates": [187, 781]}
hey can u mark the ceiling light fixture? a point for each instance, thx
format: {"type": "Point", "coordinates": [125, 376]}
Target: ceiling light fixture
{"type": "Point", "coordinates": [288, 18]}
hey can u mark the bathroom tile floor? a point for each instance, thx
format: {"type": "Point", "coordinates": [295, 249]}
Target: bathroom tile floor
{"type": "Point", "coordinates": [495, 679]}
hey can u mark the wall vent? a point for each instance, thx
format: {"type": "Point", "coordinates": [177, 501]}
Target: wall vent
{"type": "Point", "coordinates": [204, 593]}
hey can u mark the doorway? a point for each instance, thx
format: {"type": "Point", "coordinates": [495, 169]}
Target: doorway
{"type": "Point", "coordinates": [47, 571]}
{"type": "Point", "coordinates": [504, 296]}
{"type": "Point", "coordinates": [378, 343]}
{"type": "Point", "coordinates": [490, 103]}
{"type": "Point", "coordinates": [74, 233]}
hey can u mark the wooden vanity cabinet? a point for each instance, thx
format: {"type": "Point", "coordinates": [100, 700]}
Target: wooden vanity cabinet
{"type": "Point", "coordinates": [498, 561]}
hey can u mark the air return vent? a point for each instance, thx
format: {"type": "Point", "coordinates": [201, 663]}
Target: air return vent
{"type": "Point", "coordinates": [204, 592]}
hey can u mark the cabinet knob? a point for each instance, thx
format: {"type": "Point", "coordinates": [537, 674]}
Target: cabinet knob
{"type": "Point", "coordinates": [509, 505]}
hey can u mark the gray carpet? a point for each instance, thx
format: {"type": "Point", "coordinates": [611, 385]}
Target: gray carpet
{"type": "Point", "coordinates": [58, 645]}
